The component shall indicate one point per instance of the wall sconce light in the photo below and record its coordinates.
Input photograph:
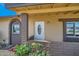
(48, 22)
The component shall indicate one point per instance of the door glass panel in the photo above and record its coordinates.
(69, 27)
(39, 29)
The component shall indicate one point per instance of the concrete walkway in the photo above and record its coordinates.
(6, 53)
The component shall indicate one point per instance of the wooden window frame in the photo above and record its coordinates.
(71, 39)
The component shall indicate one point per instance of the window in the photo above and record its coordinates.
(77, 28)
(69, 28)
(16, 29)
(71, 31)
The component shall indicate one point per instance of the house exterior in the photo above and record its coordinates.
(56, 23)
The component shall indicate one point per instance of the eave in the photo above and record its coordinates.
(47, 9)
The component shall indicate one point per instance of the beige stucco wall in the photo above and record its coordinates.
(4, 29)
(53, 27)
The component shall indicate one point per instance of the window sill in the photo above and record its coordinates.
(72, 36)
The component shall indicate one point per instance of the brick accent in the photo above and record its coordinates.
(24, 27)
(64, 49)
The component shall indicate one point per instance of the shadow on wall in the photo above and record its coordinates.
(32, 37)
(2, 40)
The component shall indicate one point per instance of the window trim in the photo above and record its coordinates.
(74, 38)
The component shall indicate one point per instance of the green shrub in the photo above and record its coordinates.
(22, 50)
(34, 49)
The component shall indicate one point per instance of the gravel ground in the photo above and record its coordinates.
(6, 53)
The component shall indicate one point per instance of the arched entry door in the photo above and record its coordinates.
(15, 36)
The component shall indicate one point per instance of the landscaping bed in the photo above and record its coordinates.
(30, 49)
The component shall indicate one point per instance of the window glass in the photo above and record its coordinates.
(69, 27)
(76, 28)
(16, 29)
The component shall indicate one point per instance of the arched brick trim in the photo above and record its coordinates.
(10, 28)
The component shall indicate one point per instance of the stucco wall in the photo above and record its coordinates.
(4, 29)
(53, 28)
